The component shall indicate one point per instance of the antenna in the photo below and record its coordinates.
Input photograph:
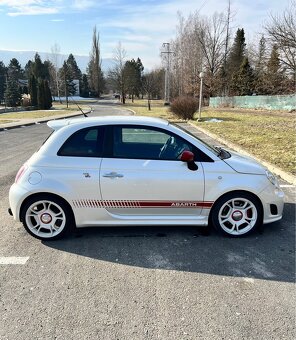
(85, 115)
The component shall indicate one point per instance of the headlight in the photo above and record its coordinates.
(271, 178)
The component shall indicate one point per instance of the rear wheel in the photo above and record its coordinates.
(237, 214)
(46, 217)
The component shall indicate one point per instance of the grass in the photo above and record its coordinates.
(4, 121)
(57, 109)
(157, 109)
(267, 135)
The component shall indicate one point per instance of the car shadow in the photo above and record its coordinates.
(267, 254)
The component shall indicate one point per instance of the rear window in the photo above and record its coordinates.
(86, 142)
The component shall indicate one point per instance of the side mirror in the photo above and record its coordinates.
(188, 157)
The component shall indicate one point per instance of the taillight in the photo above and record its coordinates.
(20, 173)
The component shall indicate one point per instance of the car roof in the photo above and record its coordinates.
(106, 120)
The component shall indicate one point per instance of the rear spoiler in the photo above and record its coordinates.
(60, 123)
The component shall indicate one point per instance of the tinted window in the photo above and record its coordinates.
(84, 143)
(137, 142)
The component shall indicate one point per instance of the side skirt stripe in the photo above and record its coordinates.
(87, 203)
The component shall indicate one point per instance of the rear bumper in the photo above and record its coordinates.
(16, 197)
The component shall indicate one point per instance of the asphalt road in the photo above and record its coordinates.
(142, 283)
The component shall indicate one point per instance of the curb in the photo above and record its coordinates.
(277, 171)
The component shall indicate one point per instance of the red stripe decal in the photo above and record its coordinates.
(85, 203)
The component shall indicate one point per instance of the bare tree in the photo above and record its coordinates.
(187, 60)
(211, 35)
(117, 74)
(149, 84)
(55, 58)
(281, 30)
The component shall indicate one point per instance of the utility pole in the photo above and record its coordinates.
(167, 52)
(201, 75)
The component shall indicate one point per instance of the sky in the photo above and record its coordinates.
(142, 26)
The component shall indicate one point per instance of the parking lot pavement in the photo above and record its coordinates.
(168, 283)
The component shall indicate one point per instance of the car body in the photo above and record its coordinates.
(127, 170)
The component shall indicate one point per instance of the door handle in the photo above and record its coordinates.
(113, 175)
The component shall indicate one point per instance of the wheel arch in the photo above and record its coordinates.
(235, 192)
(48, 195)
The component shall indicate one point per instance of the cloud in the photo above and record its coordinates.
(83, 4)
(30, 7)
(34, 10)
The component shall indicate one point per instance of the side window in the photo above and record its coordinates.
(137, 142)
(84, 143)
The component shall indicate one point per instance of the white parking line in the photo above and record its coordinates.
(13, 260)
(287, 186)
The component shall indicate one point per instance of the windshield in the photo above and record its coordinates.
(216, 151)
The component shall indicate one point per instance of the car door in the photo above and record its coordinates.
(77, 170)
(142, 174)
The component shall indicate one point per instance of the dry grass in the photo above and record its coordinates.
(4, 121)
(157, 109)
(57, 109)
(267, 135)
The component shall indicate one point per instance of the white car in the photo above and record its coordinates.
(119, 171)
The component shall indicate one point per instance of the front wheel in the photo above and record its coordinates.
(47, 218)
(237, 214)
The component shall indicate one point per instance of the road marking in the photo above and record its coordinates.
(13, 260)
(287, 186)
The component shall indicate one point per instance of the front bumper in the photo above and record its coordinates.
(272, 199)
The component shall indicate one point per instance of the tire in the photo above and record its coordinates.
(237, 214)
(47, 217)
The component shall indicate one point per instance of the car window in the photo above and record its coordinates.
(147, 143)
(86, 142)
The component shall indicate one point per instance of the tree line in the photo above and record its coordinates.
(40, 81)
(203, 44)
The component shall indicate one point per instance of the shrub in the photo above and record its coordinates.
(184, 107)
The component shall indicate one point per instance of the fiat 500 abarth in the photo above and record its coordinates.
(119, 171)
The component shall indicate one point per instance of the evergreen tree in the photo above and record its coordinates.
(274, 77)
(33, 90)
(133, 71)
(73, 68)
(84, 88)
(73, 71)
(94, 69)
(243, 80)
(3, 78)
(68, 86)
(260, 67)
(47, 95)
(39, 75)
(39, 69)
(14, 70)
(140, 70)
(41, 94)
(237, 54)
(12, 94)
(28, 69)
